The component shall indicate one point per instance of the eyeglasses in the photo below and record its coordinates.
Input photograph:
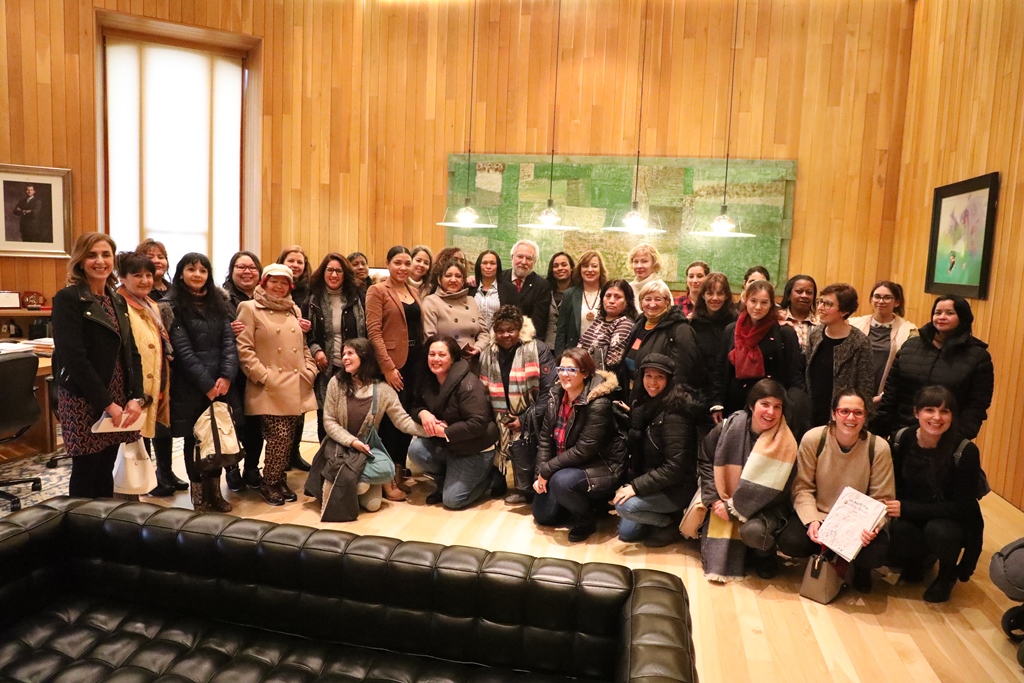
(570, 371)
(884, 298)
(247, 268)
(846, 412)
(825, 303)
(333, 271)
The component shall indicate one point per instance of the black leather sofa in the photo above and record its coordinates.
(132, 592)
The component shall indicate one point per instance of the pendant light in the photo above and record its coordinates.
(633, 221)
(723, 225)
(549, 219)
(467, 216)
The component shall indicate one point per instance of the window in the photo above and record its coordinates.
(174, 148)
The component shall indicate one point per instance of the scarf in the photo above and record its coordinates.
(148, 308)
(750, 476)
(746, 355)
(274, 303)
(523, 381)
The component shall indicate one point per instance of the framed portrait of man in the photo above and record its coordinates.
(37, 211)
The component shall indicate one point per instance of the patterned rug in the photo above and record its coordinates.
(55, 481)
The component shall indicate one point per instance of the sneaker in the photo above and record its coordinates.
(252, 478)
(582, 531)
(271, 495)
(286, 492)
(233, 477)
(515, 498)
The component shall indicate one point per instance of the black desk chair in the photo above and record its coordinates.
(61, 454)
(18, 410)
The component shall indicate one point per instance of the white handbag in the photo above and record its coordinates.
(134, 473)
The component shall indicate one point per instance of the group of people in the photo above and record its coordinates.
(596, 393)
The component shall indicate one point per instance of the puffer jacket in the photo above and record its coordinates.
(593, 441)
(662, 447)
(963, 365)
(204, 351)
(462, 403)
(710, 334)
(673, 337)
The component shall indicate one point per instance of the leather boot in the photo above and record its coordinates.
(212, 495)
(393, 492)
(522, 479)
(165, 477)
(196, 491)
(296, 462)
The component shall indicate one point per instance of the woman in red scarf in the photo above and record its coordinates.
(756, 346)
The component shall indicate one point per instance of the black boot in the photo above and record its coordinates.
(165, 477)
(297, 462)
(522, 478)
(212, 497)
(942, 587)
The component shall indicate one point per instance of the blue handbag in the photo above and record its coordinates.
(380, 468)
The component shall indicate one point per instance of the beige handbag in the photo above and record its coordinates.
(216, 441)
(134, 474)
(822, 581)
(693, 517)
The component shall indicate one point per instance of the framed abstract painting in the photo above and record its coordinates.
(963, 227)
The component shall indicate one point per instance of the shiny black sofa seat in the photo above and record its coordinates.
(105, 590)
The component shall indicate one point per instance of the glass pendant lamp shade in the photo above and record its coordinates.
(466, 217)
(548, 219)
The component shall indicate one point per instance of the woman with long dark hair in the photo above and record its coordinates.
(204, 367)
(422, 265)
(244, 270)
(360, 269)
(559, 277)
(606, 338)
(96, 366)
(945, 353)
(485, 293)
(712, 315)
(348, 416)
(695, 274)
(451, 312)
(394, 325)
(336, 313)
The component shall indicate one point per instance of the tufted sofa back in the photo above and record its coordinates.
(457, 603)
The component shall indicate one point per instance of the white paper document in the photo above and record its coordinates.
(853, 513)
(106, 424)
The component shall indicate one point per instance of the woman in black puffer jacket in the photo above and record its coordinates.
(947, 354)
(455, 411)
(663, 458)
(581, 454)
(204, 367)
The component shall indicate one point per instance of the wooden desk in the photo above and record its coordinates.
(42, 436)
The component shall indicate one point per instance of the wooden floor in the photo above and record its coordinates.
(748, 631)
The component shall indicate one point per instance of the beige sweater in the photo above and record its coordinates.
(821, 478)
(336, 412)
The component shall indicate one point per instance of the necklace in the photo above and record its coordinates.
(591, 307)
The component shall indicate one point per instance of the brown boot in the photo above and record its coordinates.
(212, 494)
(196, 492)
(393, 492)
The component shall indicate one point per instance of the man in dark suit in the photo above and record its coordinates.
(30, 209)
(520, 286)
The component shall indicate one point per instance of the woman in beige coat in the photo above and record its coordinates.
(451, 312)
(273, 354)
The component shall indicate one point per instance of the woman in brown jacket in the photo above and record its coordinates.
(394, 324)
(273, 354)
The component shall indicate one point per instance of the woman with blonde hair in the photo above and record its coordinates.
(645, 262)
(96, 366)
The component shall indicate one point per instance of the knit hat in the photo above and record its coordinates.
(658, 361)
(278, 269)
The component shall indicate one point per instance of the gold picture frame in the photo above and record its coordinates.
(37, 211)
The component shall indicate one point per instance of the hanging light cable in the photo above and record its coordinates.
(548, 219)
(467, 216)
(633, 221)
(723, 225)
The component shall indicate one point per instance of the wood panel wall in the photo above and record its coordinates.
(363, 101)
(965, 117)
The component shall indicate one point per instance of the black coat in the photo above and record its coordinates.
(593, 441)
(204, 351)
(534, 300)
(672, 337)
(783, 362)
(662, 447)
(569, 324)
(963, 365)
(462, 403)
(87, 349)
(710, 334)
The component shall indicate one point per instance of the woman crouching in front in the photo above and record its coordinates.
(581, 454)
(746, 466)
(455, 412)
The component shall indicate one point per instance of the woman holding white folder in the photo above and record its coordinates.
(831, 457)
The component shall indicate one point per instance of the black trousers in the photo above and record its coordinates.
(92, 475)
(397, 442)
(912, 542)
(252, 442)
(795, 542)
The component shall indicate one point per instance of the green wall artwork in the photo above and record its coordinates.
(682, 195)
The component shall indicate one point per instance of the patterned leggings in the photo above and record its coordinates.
(279, 433)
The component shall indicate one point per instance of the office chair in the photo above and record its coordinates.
(60, 454)
(18, 410)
